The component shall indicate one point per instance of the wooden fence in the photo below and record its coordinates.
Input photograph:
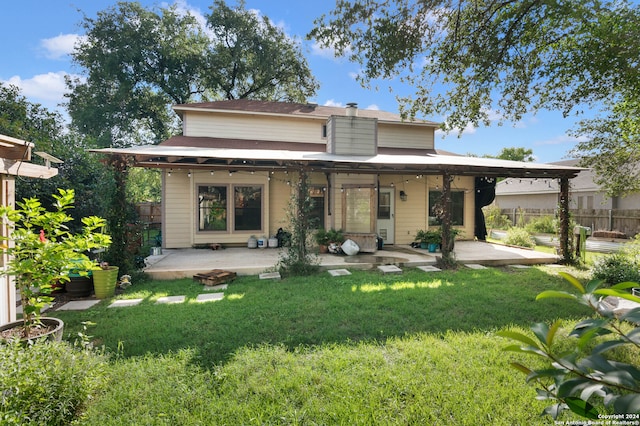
(150, 213)
(625, 221)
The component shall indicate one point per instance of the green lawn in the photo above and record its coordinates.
(363, 349)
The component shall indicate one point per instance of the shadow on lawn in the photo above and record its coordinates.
(365, 306)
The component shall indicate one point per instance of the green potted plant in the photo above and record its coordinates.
(429, 239)
(41, 252)
(105, 279)
(322, 240)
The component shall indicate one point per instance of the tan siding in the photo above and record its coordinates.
(177, 210)
(280, 194)
(407, 136)
(255, 127)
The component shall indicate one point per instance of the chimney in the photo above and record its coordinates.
(352, 109)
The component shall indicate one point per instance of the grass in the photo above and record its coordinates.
(361, 349)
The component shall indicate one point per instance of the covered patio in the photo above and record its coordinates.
(184, 263)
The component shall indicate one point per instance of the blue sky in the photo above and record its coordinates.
(37, 36)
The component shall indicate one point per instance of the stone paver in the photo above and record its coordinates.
(475, 266)
(520, 266)
(270, 276)
(215, 287)
(125, 303)
(429, 268)
(78, 305)
(170, 299)
(339, 272)
(210, 297)
(389, 269)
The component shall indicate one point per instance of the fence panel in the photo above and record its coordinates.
(625, 221)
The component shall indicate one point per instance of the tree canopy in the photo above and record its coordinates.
(470, 60)
(137, 62)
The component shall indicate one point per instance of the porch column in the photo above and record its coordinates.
(564, 220)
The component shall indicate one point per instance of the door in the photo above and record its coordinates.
(386, 215)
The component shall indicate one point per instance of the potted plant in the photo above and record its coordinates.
(105, 279)
(41, 252)
(321, 237)
(429, 239)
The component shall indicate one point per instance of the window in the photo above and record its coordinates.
(247, 201)
(323, 131)
(212, 208)
(384, 205)
(358, 209)
(457, 207)
(316, 215)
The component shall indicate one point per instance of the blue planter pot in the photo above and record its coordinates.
(432, 247)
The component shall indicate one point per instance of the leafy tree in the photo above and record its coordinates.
(139, 61)
(589, 366)
(514, 154)
(79, 171)
(470, 59)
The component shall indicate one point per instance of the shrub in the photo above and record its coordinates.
(495, 219)
(542, 225)
(46, 383)
(616, 268)
(589, 372)
(519, 237)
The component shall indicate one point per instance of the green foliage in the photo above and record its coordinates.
(138, 62)
(326, 237)
(47, 383)
(80, 170)
(542, 225)
(144, 185)
(594, 366)
(616, 268)
(514, 154)
(42, 251)
(495, 219)
(430, 236)
(519, 237)
(297, 259)
(509, 58)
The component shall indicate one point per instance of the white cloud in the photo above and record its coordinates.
(59, 46)
(47, 89)
(333, 103)
(323, 52)
(373, 107)
(561, 140)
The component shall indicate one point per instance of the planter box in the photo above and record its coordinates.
(368, 243)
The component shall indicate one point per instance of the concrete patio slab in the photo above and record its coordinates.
(170, 299)
(389, 269)
(215, 287)
(125, 303)
(339, 272)
(474, 266)
(270, 276)
(78, 305)
(181, 263)
(429, 268)
(210, 297)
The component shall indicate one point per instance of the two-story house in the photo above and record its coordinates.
(231, 173)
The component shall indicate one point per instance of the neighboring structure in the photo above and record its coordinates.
(230, 175)
(15, 155)
(589, 205)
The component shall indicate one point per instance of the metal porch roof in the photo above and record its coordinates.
(181, 157)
